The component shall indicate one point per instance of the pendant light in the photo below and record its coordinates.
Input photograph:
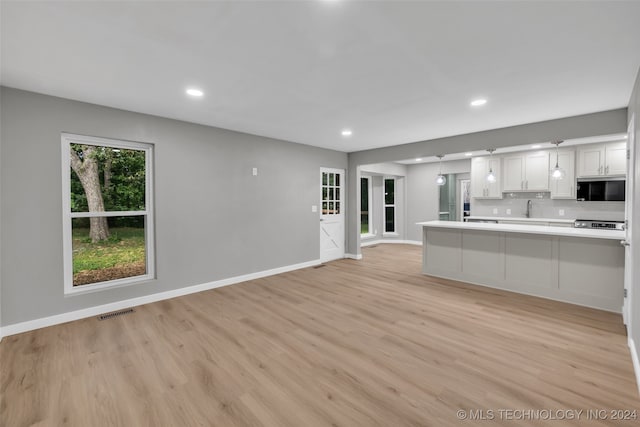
(441, 179)
(491, 177)
(557, 172)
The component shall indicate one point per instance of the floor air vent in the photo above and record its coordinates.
(115, 314)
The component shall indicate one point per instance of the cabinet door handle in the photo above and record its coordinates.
(526, 185)
(600, 170)
(606, 170)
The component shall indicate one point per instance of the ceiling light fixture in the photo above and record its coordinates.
(468, 154)
(418, 159)
(478, 102)
(194, 92)
(441, 179)
(491, 177)
(536, 146)
(347, 132)
(557, 172)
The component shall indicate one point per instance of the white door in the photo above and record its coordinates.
(331, 214)
(628, 255)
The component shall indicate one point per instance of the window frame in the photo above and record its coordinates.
(369, 179)
(149, 224)
(386, 205)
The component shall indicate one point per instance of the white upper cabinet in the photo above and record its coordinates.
(616, 158)
(564, 188)
(480, 187)
(608, 159)
(526, 172)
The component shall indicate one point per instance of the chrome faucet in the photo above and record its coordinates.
(529, 206)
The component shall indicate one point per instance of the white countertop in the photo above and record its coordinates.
(528, 229)
(523, 219)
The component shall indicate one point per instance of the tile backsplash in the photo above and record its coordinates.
(544, 207)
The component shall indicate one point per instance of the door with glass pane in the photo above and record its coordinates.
(331, 214)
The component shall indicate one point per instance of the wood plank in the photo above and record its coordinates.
(356, 343)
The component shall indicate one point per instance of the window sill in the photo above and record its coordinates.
(390, 234)
(367, 236)
(102, 286)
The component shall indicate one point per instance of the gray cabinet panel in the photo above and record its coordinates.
(483, 254)
(529, 261)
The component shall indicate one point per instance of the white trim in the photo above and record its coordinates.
(43, 322)
(635, 360)
(67, 233)
(390, 233)
(352, 256)
(116, 283)
(107, 214)
(396, 241)
(367, 236)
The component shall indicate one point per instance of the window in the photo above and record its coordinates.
(107, 213)
(365, 208)
(389, 205)
(330, 193)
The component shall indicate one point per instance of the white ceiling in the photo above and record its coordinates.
(393, 72)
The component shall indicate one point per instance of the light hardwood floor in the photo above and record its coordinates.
(353, 343)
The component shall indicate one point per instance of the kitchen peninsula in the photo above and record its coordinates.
(579, 266)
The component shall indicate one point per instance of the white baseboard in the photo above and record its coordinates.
(380, 241)
(353, 256)
(635, 360)
(43, 322)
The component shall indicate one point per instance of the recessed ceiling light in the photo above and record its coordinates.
(418, 159)
(478, 102)
(468, 154)
(346, 132)
(194, 92)
(536, 146)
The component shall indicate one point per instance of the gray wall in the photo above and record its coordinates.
(423, 194)
(603, 123)
(634, 330)
(214, 220)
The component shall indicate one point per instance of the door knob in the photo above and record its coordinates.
(625, 243)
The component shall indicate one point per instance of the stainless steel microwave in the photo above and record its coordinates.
(609, 190)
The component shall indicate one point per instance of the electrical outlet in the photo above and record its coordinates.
(255, 171)
(508, 211)
(561, 212)
(314, 208)
(495, 211)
